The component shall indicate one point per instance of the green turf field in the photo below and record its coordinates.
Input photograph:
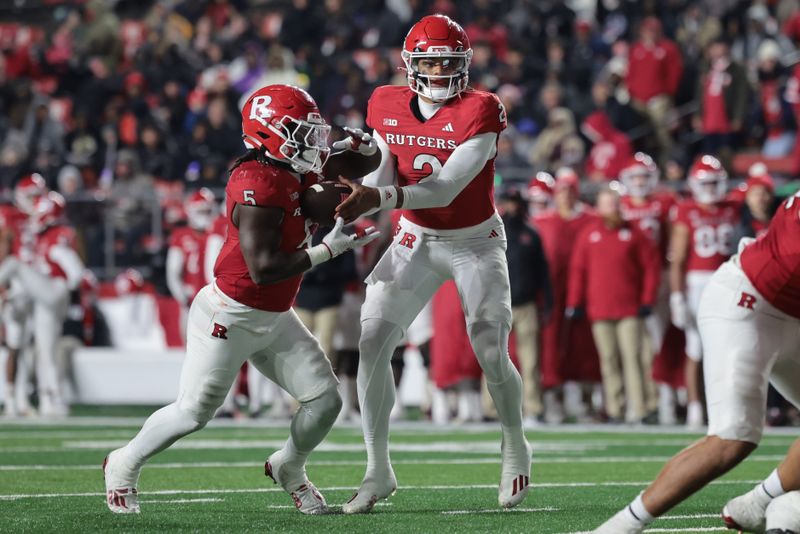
(213, 481)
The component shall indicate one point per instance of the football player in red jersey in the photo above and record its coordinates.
(540, 194)
(187, 246)
(749, 321)
(701, 241)
(438, 138)
(56, 270)
(650, 207)
(246, 313)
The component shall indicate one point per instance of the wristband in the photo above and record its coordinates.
(389, 197)
(319, 254)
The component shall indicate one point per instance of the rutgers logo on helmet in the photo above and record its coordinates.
(200, 209)
(284, 122)
(27, 191)
(639, 176)
(708, 180)
(437, 55)
(48, 210)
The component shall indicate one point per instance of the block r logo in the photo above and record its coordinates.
(219, 331)
(747, 301)
(408, 240)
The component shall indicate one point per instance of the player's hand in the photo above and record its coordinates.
(678, 310)
(362, 200)
(575, 313)
(339, 242)
(357, 140)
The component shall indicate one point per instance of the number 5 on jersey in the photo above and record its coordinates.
(248, 197)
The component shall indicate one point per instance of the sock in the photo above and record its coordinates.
(639, 512)
(310, 424)
(770, 488)
(161, 430)
(376, 391)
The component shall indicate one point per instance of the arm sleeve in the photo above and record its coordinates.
(70, 263)
(213, 247)
(385, 174)
(464, 163)
(576, 293)
(175, 261)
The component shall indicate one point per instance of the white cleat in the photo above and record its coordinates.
(622, 523)
(783, 514)
(746, 513)
(515, 475)
(370, 492)
(305, 495)
(121, 494)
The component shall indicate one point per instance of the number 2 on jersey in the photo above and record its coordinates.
(427, 159)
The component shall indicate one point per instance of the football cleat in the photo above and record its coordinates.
(783, 514)
(121, 494)
(622, 523)
(746, 513)
(305, 495)
(515, 475)
(370, 492)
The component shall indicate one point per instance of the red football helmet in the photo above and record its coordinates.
(48, 210)
(640, 175)
(708, 180)
(27, 190)
(566, 178)
(285, 122)
(540, 192)
(440, 39)
(201, 208)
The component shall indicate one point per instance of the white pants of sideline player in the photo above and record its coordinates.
(747, 343)
(50, 299)
(221, 334)
(416, 264)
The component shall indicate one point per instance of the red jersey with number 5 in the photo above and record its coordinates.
(652, 216)
(256, 184)
(422, 147)
(711, 231)
(193, 245)
(772, 263)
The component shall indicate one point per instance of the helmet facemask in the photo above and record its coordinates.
(639, 182)
(438, 87)
(709, 189)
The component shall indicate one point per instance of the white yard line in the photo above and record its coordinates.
(181, 501)
(499, 511)
(690, 516)
(13, 497)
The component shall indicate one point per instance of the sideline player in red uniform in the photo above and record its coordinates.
(56, 270)
(650, 207)
(749, 321)
(246, 313)
(701, 241)
(187, 247)
(439, 140)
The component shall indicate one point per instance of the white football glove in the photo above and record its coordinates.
(337, 242)
(357, 140)
(678, 310)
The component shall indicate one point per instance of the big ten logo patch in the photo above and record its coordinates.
(219, 331)
(408, 240)
(747, 301)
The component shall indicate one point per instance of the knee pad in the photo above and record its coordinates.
(379, 339)
(202, 402)
(490, 343)
(326, 407)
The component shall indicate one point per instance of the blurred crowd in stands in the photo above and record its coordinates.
(127, 108)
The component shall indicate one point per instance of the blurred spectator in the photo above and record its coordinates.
(486, 29)
(655, 68)
(773, 115)
(722, 97)
(531, 294)
(758, 208)
(156, 153)
(614, 276)
(621, 114)
(558, 144)
(134, 199)
(611, 149)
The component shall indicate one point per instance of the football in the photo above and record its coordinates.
(319, 201)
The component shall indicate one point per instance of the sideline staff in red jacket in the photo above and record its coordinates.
(614, 275)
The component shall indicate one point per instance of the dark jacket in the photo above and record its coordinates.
(527, 266)
(324, 285)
